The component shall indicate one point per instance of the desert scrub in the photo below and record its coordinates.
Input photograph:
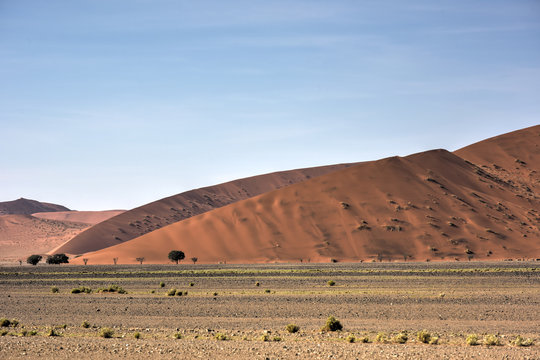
(3, 333)
(54, 290)
(292, 328)
(161, 284)
(472, 340)
(106, 333)
(331, 283)
(257, 284)
(137, 335)
(180, 293)
(264, 337)
(492, 340)
(85, 324)
(177, 335)
(401, 338)
(112, 289)
(276, 338)
(4, 322)
(171, 292)
(52, 332)
(423, 336)
(191, 284)
(381, 338)
(81, 289)
(268, 291)
(221, 337)
(332, 324)
(350, 338)
(520, 341)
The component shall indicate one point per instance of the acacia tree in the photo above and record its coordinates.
(34, 259)
(176, 255)
(57, 259)
(194, 259)
(140, 259)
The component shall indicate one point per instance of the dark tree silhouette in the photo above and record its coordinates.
(176, 255)
(57, 259)
(34, 259)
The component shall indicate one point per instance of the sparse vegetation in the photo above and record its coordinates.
(350, 338)
(520, 341)
(268, 291)
(171, 292)
(106, 333)
(54, 290)
(472, 340)
(292, 328)
(331, 283)
(139, 259)
(257, 284)
(52, 332)
(191, 284)
(332, 324)
(81, 289)
(401, 338)
(112, 289)
(177, 335)
(381, 338)
(137, 335)
(85, 324)
(492, 340)
(221, 337)
(423, 336)
(34, 259)
(5, 322)
(194, 259)
(57, 259)
(161, 284)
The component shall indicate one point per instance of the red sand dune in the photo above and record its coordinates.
(23, 235)
(432, 205)
(160, 213)
(84, 217)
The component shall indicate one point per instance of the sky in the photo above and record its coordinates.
(111, 104)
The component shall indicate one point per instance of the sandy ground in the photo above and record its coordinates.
(449, 300)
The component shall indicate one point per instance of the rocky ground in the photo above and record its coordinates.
(449, 300)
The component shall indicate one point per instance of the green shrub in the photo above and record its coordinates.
(137, 335)
(34, 259)
(472, 340)
(520, 341)
(52, 332)
(265, 337)
(434, 340)
(14, 322)
(191, 284)
(221, 337)
(350, 338)
(268, 291)
(257, 284)
(292, 328)
(423, 336)
(215, 294)
(363, 339)
(112, 289)
(106, 333)
(492, 340)
(85, 324)
(332, 324)
(177, 335)
(81, 289)
(32, 333)
(3, 333)
(276, 338)
(24, 332)
(4, 322)
(171, 292)
(331, 283)
(54, 290)
(401, 338)
(161, 284)
(381, 338)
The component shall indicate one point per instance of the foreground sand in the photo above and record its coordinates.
(450, 300)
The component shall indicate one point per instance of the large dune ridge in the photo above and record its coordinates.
(433, 206)
(24, 206)
(22, 235)
(160, 213)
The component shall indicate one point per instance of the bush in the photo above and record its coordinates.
(492, 340)
(292, 328)
(85, 324)
(401, 338)
(221, 337)
(106, 333)
(191, 284)
(331, 283)
(423, 336)
(381, 338)
(268, 291)
(34, 259)
(14, 322)
(350, 338)
(180, 293)
(276, 338)
(434, 340)
(57, 259)
(363, 339)
(111, 289)
(519, 341)
(32, 333)
(4, 322)
(265, 337)
(52, 332)
(332, 324)
(171, 292)
(257, 284)
(215, 294)
(176, 255)
(81, 289)
(177, 335)
(54, 290)
(3, 333)
(472, 340)
(137, 335)
(161, 284)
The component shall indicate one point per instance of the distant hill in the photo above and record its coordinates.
(481, 202)
(26, 207)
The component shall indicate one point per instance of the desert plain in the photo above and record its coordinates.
(241, 311)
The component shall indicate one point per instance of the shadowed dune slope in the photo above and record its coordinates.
(432, 205)
(160, 213)
(26, 207)
(84, 217)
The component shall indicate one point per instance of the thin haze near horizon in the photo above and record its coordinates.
(113, 104)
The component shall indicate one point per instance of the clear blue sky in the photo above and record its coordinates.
(116, 103)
